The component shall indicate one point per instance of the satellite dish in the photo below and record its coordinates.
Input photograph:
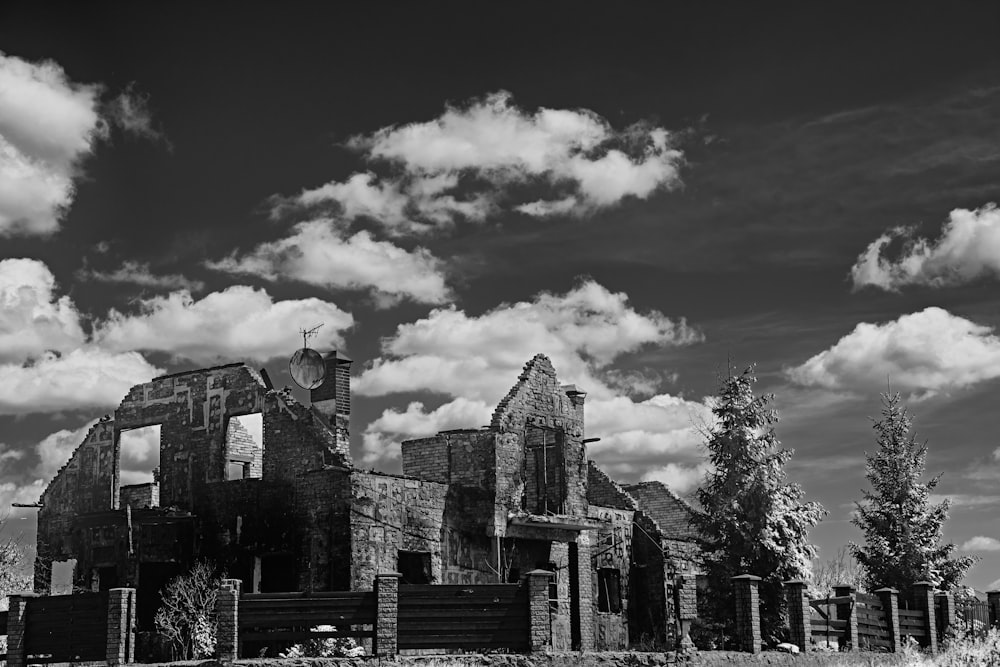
(307, 368)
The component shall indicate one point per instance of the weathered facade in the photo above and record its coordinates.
(293, 513)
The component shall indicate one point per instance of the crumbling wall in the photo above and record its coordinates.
(140, 496)
(462, 456)
(391, 514)
(322, 506)
(537, 401)
(651, 612)
(612, 551)
(192, 409)
(298, 439)
(242, 446)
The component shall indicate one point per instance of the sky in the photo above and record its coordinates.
(650, 194)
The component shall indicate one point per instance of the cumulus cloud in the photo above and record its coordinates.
(139, 273)
(981, 543)
(479, 357)
(475, 159)
(319, 253)
(85, 378)
(55, 449)
(32, 318)
(679, 478)
(239, 322)
(926, 353)
(48, 124)
(968, 248)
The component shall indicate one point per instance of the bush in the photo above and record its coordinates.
(187, 616)
(330, 647)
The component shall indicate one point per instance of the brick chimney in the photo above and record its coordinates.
(333, 397)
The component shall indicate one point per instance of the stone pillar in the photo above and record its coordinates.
(121, 626)
(890, 605)
(923, 595)
(16, 655)
(386, 624)
(993, 600)
(227, 610)
(747, 612)
(845, 612)
(585, 577)
(686, 603)
(540, 623)
(800, 629)
(949, 614)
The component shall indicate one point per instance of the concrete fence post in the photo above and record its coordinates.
(890, 605)
(539, 620)
(799, 627)
(227, 610)
(387, 621)
(993, 600)
(747, 612)
(16, 655)
(923, 594)
(121, 626)
(686, 601)
(846, 612)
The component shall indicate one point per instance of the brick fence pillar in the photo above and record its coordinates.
(227, 610)
(923, 597)
(121, 626)
(846, 612)
(686, 605)
(890, 605)
(800, 629)
(540, 623)
(585, 586)
(16, 655)
(993, 600)
(387, 623)
(949, 614)
(747, 612)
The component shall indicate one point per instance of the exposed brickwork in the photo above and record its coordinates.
(121, 626)
(140, 496)
(227, 614)
(242, 447)
(386, 625)
(603, 491)
(611, 551)
(297, 439)
(747, 612)
(923, 597)
(538, 599)
(669, 511)
(799, 628)
(686, 609)
(890, 604)
(16, 656)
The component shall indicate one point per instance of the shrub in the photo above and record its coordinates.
(187, 615)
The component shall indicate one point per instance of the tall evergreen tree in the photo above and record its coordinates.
(902, 528)
(752, 520)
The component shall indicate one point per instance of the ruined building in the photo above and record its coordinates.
(294, 514)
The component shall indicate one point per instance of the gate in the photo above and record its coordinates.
(66, 628)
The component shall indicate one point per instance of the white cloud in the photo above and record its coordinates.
(138, 273)
(981, 543)
(47, 125)
(678, 478)
(467, 162)
(476, 359)
(925, 353)
(55, 449)
(968, 248)
(319, 254)
(32, 318)
(85, 378)
(131, 112)
(239, 322)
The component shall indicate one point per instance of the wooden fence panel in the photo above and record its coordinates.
(273, 621)
(66, 628)
(912, 622)
(463, 617)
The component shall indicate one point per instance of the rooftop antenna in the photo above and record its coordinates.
(307, 368)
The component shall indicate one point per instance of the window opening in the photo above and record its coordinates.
(140, 455)
(544, 471)
(609, 597)
(414, 566)
(245, 446)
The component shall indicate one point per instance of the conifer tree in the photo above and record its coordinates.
(752, 520)
(902, 528)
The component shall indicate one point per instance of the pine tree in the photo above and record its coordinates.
(752, 520)
(902, 528)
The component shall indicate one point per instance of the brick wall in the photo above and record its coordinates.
(603, 491)
(140, 496)
(297, 439)
(240, 443)
(612, 549)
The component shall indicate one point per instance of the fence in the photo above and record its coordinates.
(71, 628)
(860, 621)
(514, 617)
